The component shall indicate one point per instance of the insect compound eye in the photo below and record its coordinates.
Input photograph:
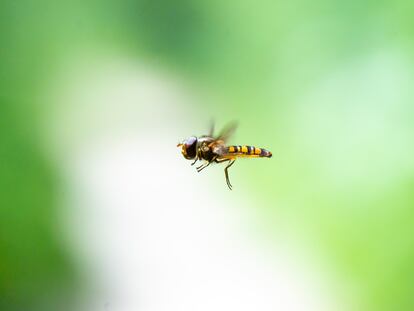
(190, 146)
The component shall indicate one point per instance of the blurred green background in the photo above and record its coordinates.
(325, 85)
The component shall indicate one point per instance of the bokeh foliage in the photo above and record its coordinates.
(265, 59)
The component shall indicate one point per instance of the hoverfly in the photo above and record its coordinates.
(211, 149)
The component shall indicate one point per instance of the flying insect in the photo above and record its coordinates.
(213, 149)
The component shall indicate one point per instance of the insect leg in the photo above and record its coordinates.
(227, 173)
(198, 167)
(203, 166)
(196, 159)
(221, 160)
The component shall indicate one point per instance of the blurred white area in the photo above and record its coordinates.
(152, 233)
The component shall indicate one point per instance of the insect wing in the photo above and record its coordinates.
(227, 131)
(218, 147)
(212, 125)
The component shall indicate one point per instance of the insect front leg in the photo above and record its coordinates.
(203, 166)
(196, 159)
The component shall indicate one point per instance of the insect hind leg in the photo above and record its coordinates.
(226, 173)
(221, 160)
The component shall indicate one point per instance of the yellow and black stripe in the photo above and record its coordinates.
(248, 151)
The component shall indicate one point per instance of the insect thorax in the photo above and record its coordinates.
(203, 150)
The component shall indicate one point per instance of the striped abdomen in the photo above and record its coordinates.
(248, 151)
